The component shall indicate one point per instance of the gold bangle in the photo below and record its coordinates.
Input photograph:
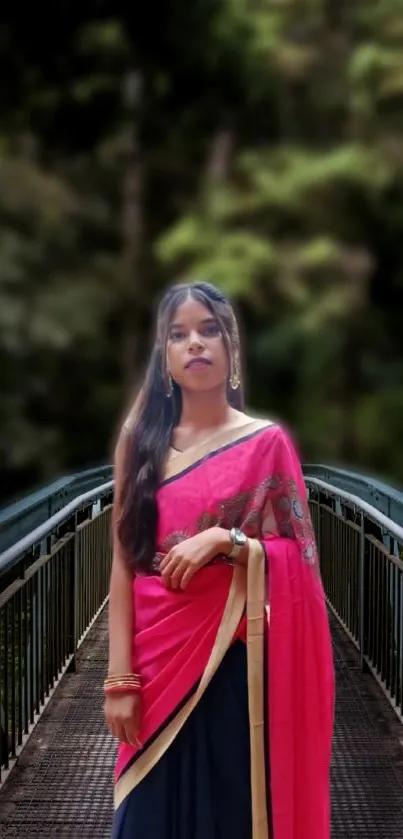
(129, 679)
(122, 676)
(119, 678)
(122, 687)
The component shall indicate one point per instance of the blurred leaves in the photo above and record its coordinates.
(270, 161)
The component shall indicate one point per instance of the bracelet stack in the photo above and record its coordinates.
(129, 683)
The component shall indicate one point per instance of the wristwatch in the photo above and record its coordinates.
(239, 540)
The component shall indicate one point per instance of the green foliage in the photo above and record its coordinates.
(259, 145)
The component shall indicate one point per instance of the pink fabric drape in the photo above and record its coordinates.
(256, 484)
(301, 674)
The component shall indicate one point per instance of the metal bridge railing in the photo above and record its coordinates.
(20, 518)
(53, 583)
(361, 553)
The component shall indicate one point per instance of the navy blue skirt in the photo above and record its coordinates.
(200, 788)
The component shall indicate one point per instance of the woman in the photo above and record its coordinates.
(220, 685)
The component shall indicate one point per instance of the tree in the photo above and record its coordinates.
(262, 149)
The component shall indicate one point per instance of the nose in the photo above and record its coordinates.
(195, 342)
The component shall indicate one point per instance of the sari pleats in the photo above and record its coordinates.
(200, 788)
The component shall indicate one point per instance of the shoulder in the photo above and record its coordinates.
(128, 424)
(133, 413)
(124, 435)
(264, 427)
(258, 434)
(275, 437)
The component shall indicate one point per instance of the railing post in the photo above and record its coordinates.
(4, 744)
(73, 595)
(319, 521)
(362, 587)
(366, 607)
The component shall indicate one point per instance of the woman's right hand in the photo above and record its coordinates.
(123, 717)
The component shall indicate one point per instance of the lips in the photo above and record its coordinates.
(196, 363)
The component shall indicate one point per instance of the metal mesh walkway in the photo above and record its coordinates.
(62, 785)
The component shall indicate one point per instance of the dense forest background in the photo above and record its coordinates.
(255, 144)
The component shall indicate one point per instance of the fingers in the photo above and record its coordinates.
(167, 571)
(180, 563)
(131, 734)
(177, 573)
(117, 729)
(124, 727)
(187, 576)
(173, 570)
(120, 732)
(166, 560)
(125, 733)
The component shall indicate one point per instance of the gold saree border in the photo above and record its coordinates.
(256, 616)
(232, 615)
(178, 462)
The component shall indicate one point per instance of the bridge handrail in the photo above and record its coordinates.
(388, 499)
(371, 512)
(21, 517)
(12, 555)
(29, 512)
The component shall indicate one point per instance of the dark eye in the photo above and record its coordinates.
(211, 329)
(176, 335)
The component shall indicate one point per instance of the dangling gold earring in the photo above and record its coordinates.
(170, 388)
(235, 378)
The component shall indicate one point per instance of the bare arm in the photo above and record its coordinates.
(121, 615)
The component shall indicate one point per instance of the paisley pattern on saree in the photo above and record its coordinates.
(272, 508)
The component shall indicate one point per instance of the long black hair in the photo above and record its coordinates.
(148, 437)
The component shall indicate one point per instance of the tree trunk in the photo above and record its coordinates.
(132, 225)
(219, 157)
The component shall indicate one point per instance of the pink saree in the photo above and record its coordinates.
(249, 477)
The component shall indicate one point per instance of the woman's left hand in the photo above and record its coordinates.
(181, 562)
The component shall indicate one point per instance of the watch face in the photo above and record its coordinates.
(240, 538)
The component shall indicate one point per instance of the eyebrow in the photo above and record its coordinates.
(204, 321)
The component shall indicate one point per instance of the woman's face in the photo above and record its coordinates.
(196, 353)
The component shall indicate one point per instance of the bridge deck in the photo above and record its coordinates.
(62, 784)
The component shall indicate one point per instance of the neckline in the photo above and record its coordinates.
(226, 428)
(178, 463)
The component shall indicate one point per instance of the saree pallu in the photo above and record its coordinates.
(243, 655)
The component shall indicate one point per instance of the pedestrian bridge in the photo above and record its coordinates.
(56, 755)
